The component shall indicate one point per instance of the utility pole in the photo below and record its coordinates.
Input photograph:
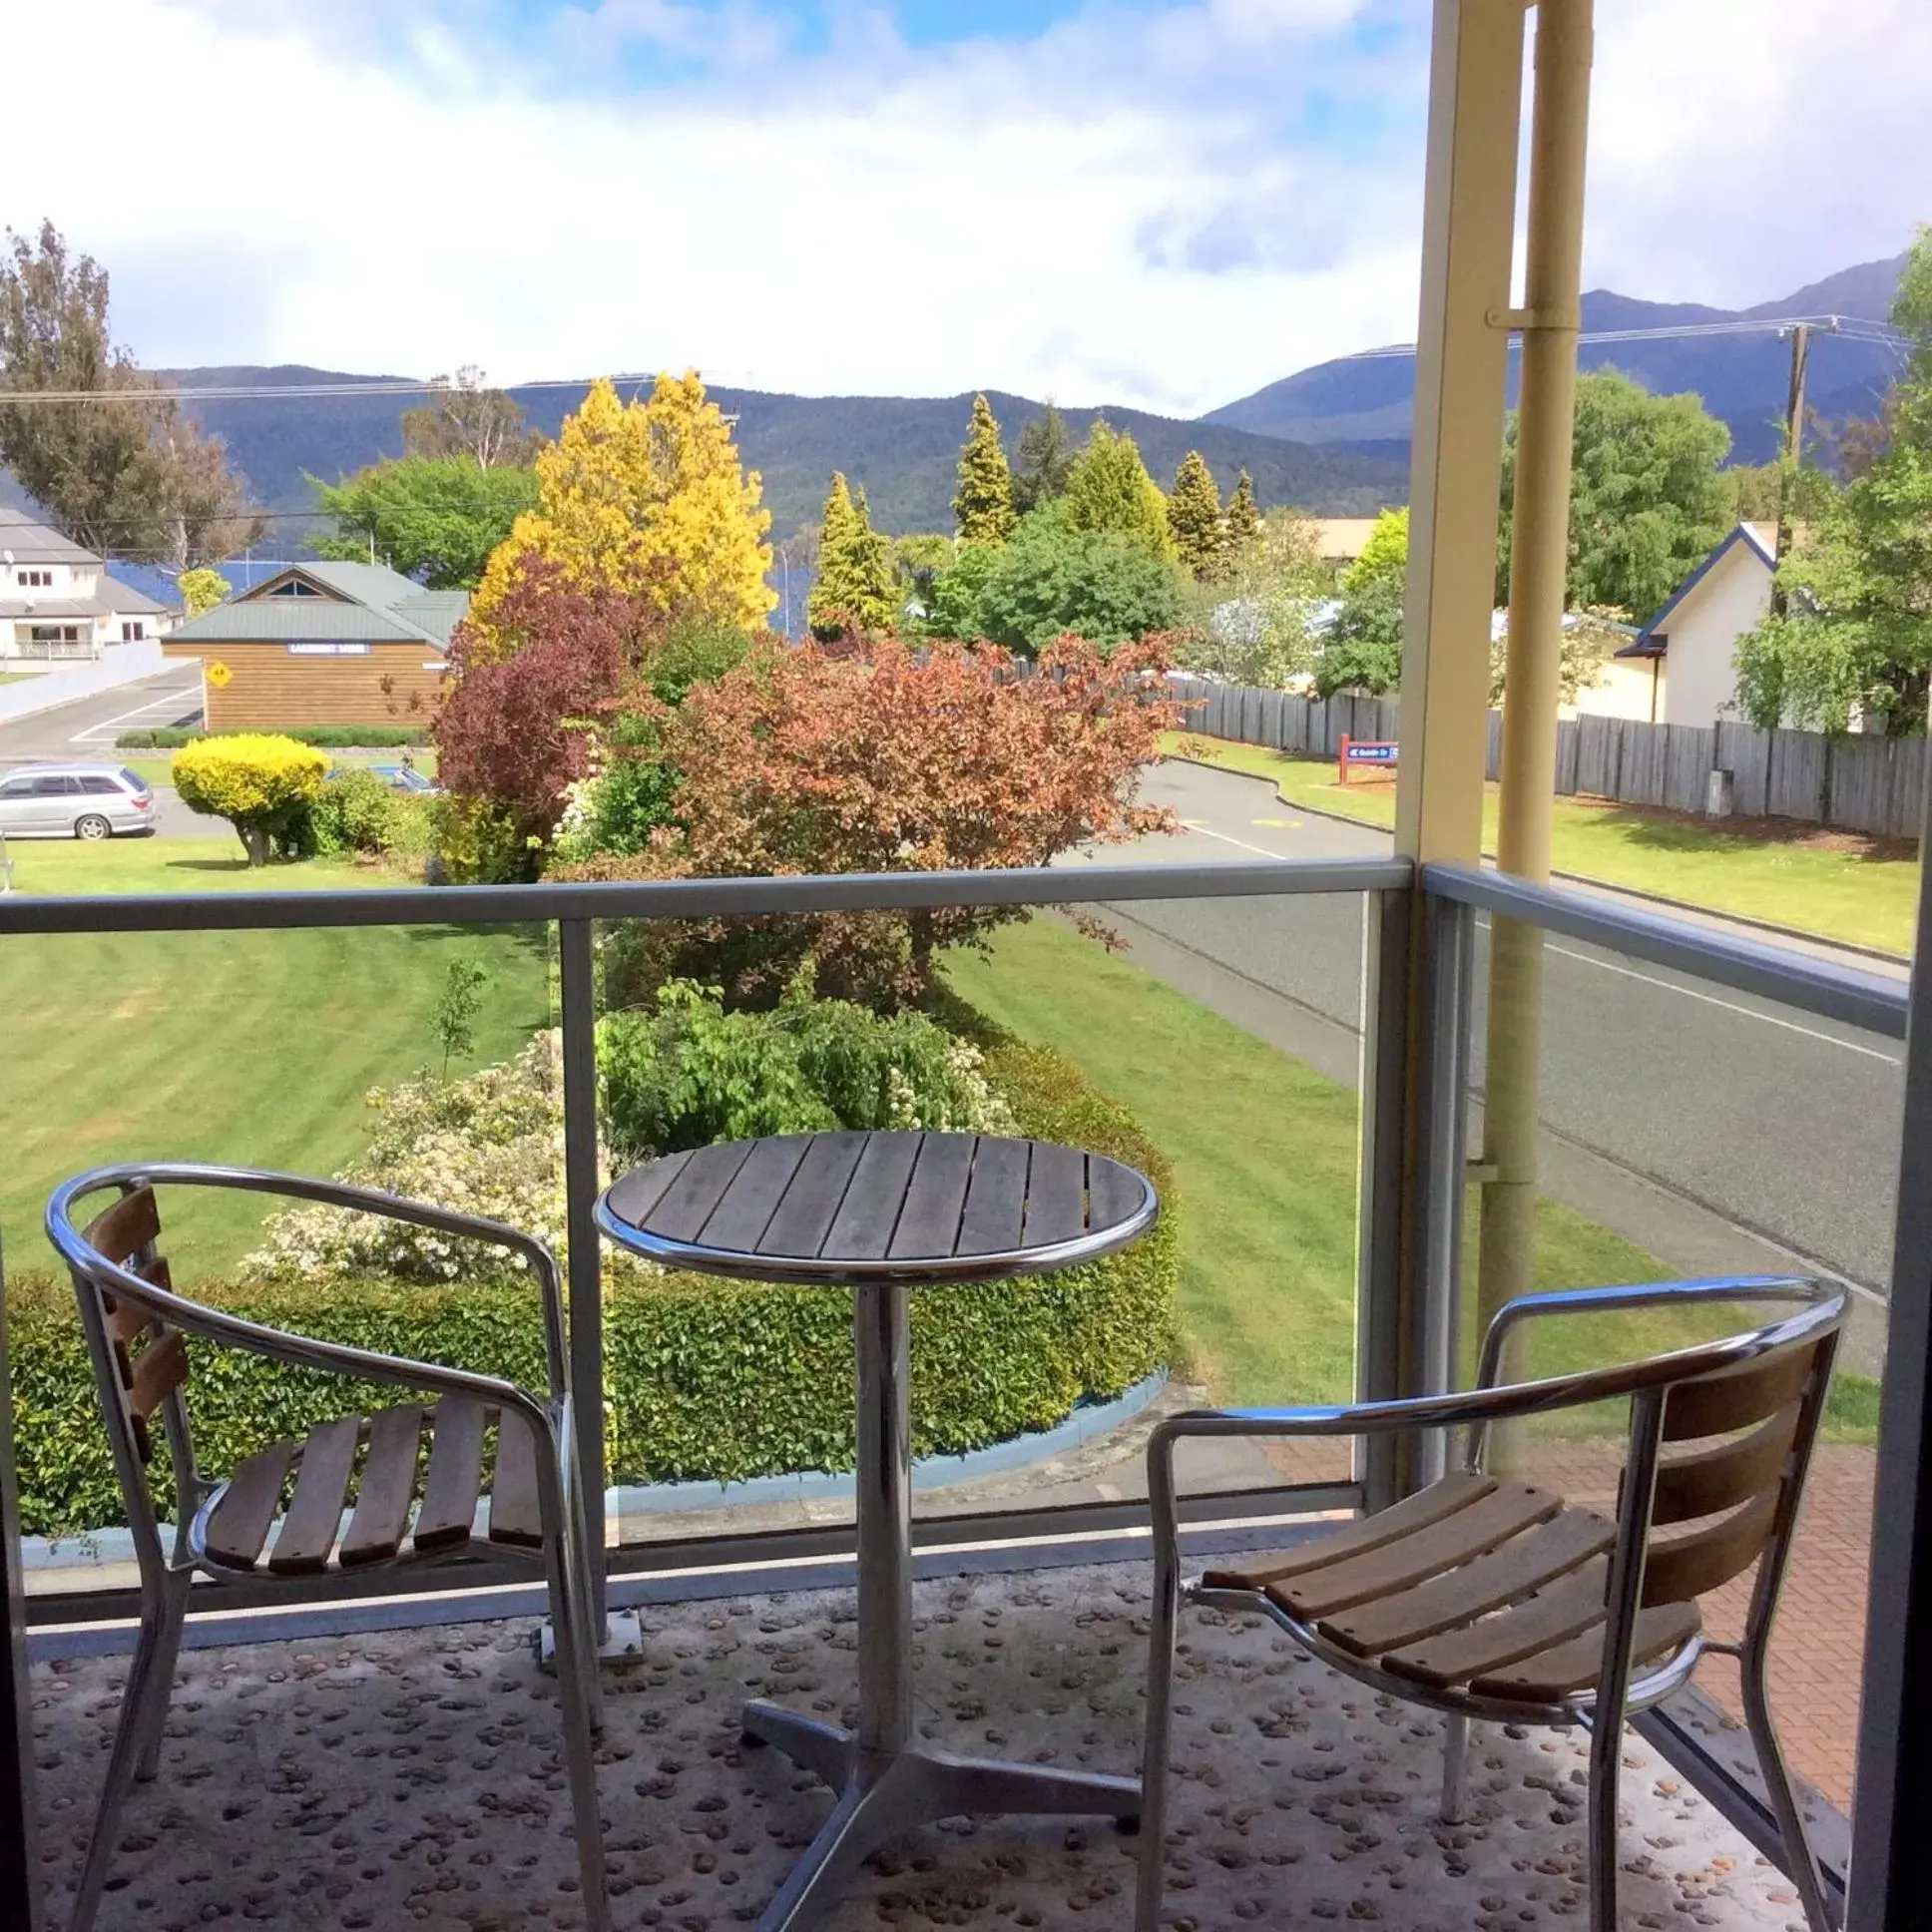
(1801, 336)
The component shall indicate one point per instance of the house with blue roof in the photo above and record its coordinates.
(1690, 645)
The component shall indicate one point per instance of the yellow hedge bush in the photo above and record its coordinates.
(260, 782)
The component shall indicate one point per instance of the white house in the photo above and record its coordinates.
(57, 601)
(1690, 647)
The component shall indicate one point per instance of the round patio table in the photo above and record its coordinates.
(884, 1213)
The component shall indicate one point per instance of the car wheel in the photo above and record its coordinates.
(93, 825)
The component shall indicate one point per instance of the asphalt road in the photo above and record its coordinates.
(88, 728)
(1780, 1122)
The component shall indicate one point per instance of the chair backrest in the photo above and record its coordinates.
(139, 1364)
(1721, 1503)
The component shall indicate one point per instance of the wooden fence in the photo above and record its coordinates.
(1858, 783)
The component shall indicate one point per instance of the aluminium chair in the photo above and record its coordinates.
(361, 1494)
(1482, 1595)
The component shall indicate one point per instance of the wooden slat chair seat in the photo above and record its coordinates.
(1488, 1596)
(363, 1490)
(1497, 1590)
(401, 1483)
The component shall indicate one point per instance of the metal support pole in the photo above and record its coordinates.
(1387, 1320)
(1891, 1823)
(1538, 566)
(585, 1273)
(1442, 1121)
(20, 1875)
(882, 1347)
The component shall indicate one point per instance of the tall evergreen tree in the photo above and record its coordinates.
(983, 505)
(1109, 488)
(1041, 461)
(854, 581)
(1243, 523)
(1194, 515)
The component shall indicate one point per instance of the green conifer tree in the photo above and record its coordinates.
(1193, 516)
(983, 505)
(1243, 520)
(1109, 488)
(854, 581)
(1040, 463)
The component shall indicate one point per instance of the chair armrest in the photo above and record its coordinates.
(1712, 1290)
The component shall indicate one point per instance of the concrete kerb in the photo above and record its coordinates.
(1882, 955)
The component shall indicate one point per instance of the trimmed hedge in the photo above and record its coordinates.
(704, 1379)
(326, 737)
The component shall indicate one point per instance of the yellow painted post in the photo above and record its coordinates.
(1469, 218)
(1539, 559)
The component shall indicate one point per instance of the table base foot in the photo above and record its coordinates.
(882, 1798)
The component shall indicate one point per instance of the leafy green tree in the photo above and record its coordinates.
(1100, 585)
(1109, 488)
(983, 504)
(854, 581)
(1243, 520)
(1253, 623)
(1364, 648)
(1193, 516)
(1854, 640)
(434, 517)
(1647, 500)
(953, 605)
(1041, 461)
(124, 471)
(468, 419)
(919, 561)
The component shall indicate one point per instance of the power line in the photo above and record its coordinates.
(1854, 329)
(264, 391)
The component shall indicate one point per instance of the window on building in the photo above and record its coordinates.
(295, 588)
(35, 579)
(133, 630)
(54, 632)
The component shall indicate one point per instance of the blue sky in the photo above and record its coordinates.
(1164, 203)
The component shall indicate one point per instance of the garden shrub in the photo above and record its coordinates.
(686, 1073)
(477, 844)
(704, 1379)
(356, 812)
(329, 737)
(262, 783)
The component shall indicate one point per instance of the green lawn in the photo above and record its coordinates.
(1263, 1153)
(255, 1047)
(17, 677)
(1837, 894)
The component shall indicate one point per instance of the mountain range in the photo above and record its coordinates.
(903, 449)
(1332, 439)
(1363, 402)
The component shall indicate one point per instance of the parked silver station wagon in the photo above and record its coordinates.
(74, 801)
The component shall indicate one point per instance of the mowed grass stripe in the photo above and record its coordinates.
(254, 1048)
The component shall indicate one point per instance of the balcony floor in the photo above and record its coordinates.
(413, 1779)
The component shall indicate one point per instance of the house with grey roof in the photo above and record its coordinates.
(57, 601)
(323, 644)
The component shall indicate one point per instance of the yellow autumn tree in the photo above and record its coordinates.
(649, 498)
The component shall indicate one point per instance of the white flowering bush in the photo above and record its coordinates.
(491, 1145)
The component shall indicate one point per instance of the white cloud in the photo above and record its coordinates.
(1164, 210)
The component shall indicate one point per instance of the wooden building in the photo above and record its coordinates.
(323, 644)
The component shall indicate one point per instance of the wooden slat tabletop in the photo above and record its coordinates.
(819, 1203)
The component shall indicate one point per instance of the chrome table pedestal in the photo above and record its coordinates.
(887, 1782)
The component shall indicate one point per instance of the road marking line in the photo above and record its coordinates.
(97, 731)
(1239, 844)
(1729, 1005)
